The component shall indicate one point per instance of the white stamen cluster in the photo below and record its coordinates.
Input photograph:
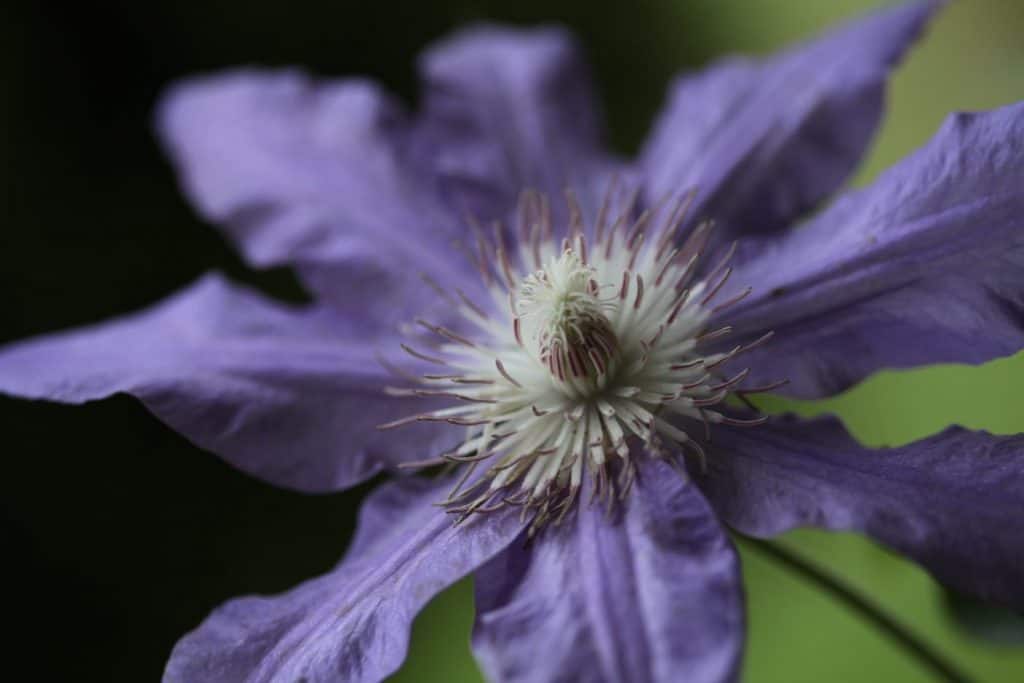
(590, 358)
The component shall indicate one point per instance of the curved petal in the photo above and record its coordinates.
(351, 624)
(279, 392)
(509, 109)
(316, 174)
(763, 141)
(652, 596)
(924, 266)
(952, 502)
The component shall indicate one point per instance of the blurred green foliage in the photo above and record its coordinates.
(972, 58)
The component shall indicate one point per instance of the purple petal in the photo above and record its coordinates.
(351, 624)
(763, 141)
(652, 596)
(279, 392)
(952, 502)
(508, 110)
(317, 174)
(924, 266)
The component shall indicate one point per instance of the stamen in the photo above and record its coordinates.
(576, 372)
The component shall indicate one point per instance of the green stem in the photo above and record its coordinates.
(910, 643)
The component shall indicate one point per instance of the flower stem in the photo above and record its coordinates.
(910, 643)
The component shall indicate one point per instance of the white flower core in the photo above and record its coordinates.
(590, 358)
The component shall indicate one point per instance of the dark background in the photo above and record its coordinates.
(118, 535)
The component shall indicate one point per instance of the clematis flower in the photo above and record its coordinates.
(562, 331)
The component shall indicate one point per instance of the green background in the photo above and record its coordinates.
(972, 58)
(119, 536)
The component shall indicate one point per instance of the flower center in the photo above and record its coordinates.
(559, 311)
(594, 352)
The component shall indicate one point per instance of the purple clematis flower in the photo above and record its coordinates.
(570, 358)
